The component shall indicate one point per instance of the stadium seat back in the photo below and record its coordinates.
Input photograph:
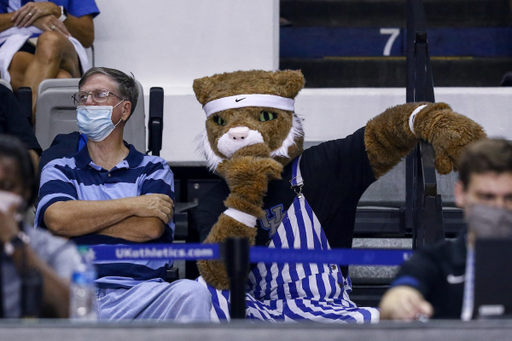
(56, 114)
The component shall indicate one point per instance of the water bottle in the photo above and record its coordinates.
(82, 300)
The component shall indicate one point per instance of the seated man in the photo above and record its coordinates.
(62, 32)
(431, 283)
(109, 193)
(52, 257)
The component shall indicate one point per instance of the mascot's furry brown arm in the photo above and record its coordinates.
(252, 131)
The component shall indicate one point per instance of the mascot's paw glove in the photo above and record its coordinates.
(391, 135)
(449, 133)
(247, 176)
(214, 271)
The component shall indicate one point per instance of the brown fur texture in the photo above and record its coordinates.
(281, 83)
(248, 171)
(388, 137)
(247, 177)
(274, 132)
(214, 272)
(247, 174)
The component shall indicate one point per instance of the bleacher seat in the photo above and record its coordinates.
(380, 223)
(56, 113)
(381, 206)
(197, 188)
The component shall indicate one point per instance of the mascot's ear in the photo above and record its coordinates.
(288, 83)
(202, 88)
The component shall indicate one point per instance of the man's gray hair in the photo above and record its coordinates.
(126, 85)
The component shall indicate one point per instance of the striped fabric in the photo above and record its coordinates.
(78, 178)
(291, 292)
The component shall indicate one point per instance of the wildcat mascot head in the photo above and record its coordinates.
(250, 107)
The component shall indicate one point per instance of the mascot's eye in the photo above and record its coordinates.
(267, 116)
(219, 120)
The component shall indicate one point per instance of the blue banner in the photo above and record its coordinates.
(257, 254)
(334, 256)
(155, 251)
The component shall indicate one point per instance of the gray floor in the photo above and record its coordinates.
(434, 330)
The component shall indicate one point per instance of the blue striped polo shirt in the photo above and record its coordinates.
(78, 178)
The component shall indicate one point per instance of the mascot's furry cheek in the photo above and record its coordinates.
(237, 138)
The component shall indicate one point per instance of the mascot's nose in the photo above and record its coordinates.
(238, 133)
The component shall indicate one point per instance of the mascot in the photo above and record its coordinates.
(279, 195)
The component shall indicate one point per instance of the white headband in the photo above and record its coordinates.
(240, 101)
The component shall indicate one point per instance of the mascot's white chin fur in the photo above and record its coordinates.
(228, 146)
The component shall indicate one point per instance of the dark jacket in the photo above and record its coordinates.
(438, 273)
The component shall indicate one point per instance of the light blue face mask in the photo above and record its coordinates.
(96, 121)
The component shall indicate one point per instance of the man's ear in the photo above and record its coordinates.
(459, 194)
(127, 109)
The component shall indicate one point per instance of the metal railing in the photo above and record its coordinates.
(423, 214)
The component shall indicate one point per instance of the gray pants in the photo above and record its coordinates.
(180, 301)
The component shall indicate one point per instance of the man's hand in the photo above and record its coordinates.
(26, 15)
(153, 205)
(50, 23)
(404, 303)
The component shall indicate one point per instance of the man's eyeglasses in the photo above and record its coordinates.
(98, 96)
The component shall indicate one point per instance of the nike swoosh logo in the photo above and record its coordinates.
(455, 279)
(239, 99)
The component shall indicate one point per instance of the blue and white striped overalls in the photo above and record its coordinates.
(294, 292)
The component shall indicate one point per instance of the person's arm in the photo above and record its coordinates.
(82, 28)
(55, 289)
(410, 293)
(404, 303)
(27, 14)
(79, 217)
(136, 229)
(159, 180)
(6, 21)
(35, 159)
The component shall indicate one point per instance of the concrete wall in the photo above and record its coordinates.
(335, 113)
(169, 43)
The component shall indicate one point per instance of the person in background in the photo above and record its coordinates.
(109, 193)
(23, 247)
(432, 283)
(13, 122)
(44, 39)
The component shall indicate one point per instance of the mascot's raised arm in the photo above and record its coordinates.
(278, 195)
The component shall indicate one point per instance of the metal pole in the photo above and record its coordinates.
(236, 257)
